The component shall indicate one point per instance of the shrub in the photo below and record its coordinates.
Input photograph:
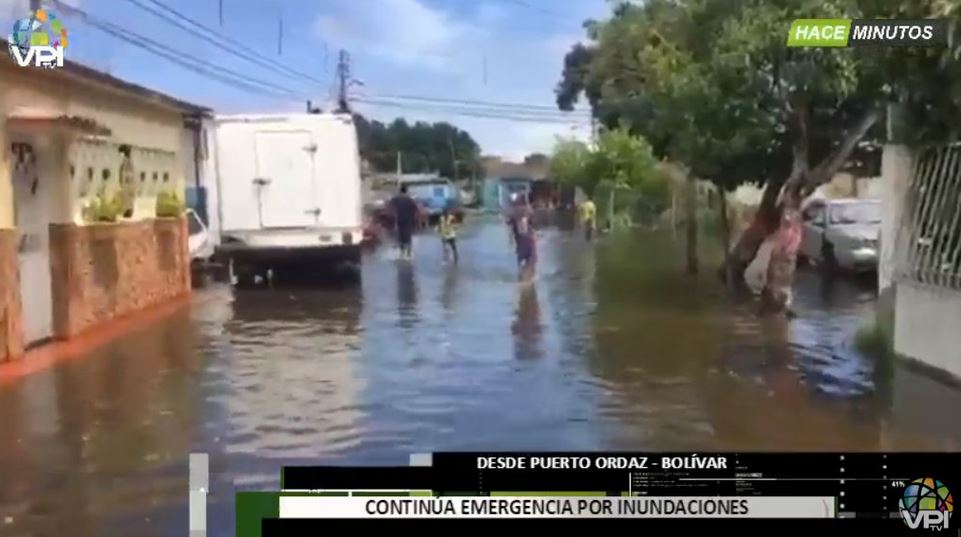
(104, 208)
(169, 205)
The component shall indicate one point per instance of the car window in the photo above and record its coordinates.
(856, 213)
(815, 215)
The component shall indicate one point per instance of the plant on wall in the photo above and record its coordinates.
(104, 208)
(170, 205)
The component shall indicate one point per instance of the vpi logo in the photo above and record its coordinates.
(926, 503)
(38, 40)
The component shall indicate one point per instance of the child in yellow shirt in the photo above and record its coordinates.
(448, 234)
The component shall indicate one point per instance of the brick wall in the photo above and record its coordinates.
(11, 332)
(104, 271)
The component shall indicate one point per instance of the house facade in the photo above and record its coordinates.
(84, 159)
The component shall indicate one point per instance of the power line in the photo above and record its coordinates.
(474, 112)
(546, 11)
(207, 34)
(197, 65)
(479, 110)
(486, 104)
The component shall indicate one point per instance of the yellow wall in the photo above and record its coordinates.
(132, 120)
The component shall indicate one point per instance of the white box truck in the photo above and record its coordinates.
(288, 193)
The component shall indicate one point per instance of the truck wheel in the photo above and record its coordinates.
(241, 276)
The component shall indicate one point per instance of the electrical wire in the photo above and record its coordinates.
(477, 113)
(197, 65)
(545, 11)
(207, 34)
(464, 107)
(485, 104)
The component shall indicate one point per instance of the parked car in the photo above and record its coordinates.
(198, 241)
(842, 233)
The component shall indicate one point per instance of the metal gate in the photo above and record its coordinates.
(932, 220)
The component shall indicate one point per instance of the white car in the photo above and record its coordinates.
(843, 233)
(198, 242)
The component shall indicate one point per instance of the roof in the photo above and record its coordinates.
(81, 72)
(46, 118)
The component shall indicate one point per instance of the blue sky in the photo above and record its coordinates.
(435, 48)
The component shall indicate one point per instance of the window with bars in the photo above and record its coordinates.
(932, 219)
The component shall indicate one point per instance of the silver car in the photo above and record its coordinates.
(843, 233)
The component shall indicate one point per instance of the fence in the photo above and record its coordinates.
(931, 226)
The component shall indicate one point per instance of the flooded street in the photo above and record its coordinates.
(611, 348)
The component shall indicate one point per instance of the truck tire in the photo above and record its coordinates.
(241, 276)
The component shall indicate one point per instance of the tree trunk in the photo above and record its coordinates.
(691, 201)
(763, 224)
(777, 295)
(725, 228)
(771, 217)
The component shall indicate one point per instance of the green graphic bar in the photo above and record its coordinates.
(252, 507)
(819, 33)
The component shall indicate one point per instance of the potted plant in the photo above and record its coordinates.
(170, 205)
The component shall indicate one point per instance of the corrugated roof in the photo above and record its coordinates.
(90, 75)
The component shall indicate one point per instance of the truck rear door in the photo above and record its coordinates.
(338, 187)
(285, 179)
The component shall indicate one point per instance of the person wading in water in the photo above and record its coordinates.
(406, 213)
(523, 237)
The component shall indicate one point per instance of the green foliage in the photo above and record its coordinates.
(712, 85)
(170, 205)
(619, 158)
(876, 337)
(104, 209)
(569, 162)
(426, 147)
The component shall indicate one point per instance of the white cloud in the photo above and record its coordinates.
(527, 138)
(408, 32)
(489, 51)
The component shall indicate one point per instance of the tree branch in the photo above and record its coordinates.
(830, 165)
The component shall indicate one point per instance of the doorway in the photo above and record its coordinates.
(32, 195)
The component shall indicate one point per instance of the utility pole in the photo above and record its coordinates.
(400, 167)
(453, 159)
(343, 79)
(220, 11)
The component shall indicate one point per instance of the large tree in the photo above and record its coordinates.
(713, 86)
(424, 147)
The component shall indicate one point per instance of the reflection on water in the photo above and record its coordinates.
(527, 327)
(611, 347)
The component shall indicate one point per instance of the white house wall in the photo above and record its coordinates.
(926, 325)
(153, 128)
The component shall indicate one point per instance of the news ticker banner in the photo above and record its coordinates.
(857, 32)
(856, 490)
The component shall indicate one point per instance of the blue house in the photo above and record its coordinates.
(433, 192)
(498, 191)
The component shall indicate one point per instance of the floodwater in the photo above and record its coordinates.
(612, 347)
